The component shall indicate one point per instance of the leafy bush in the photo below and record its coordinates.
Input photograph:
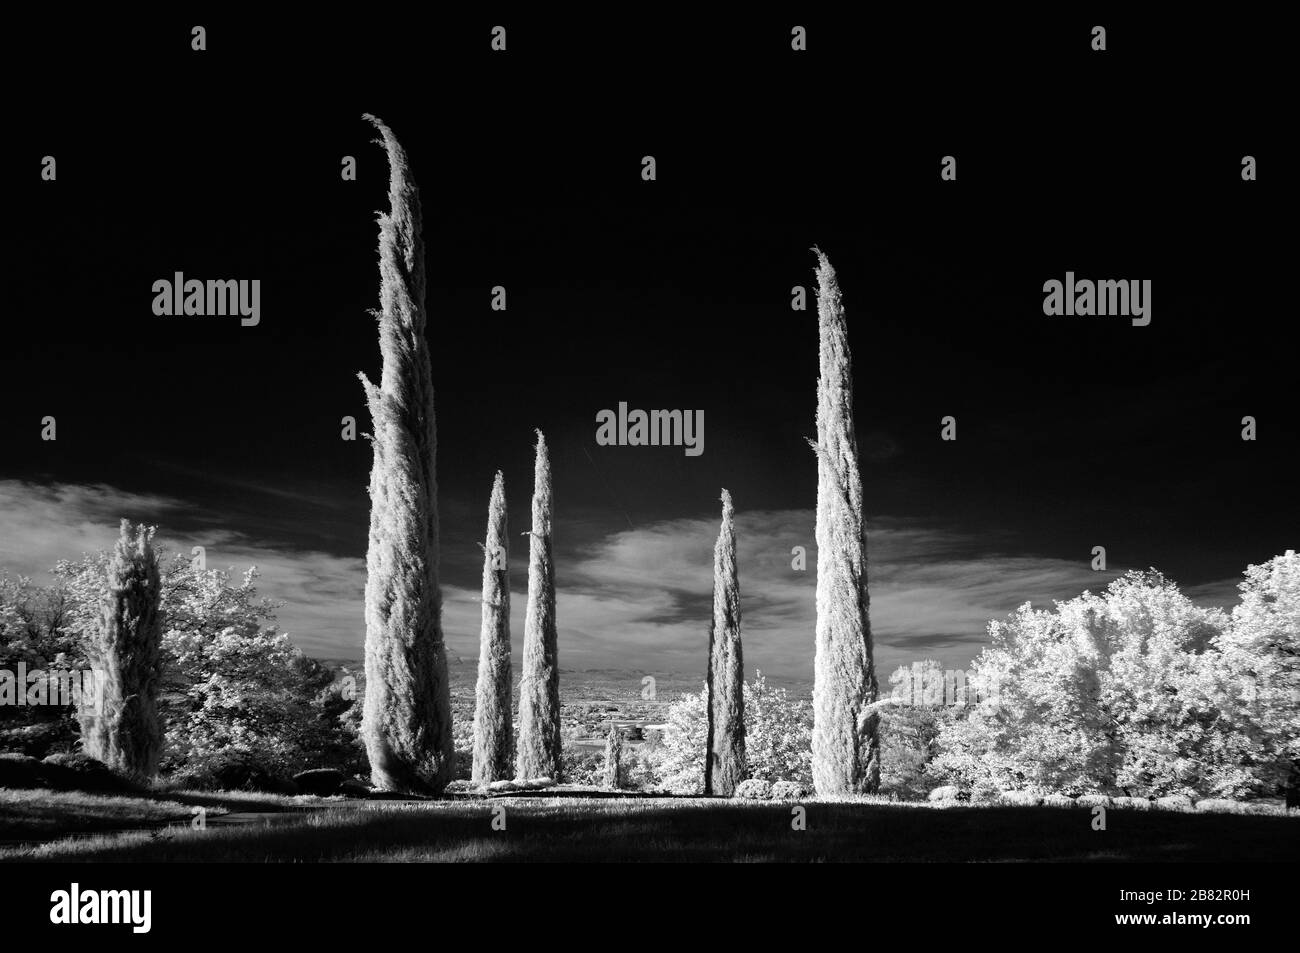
(1219, 805)
(231, 771)
(1094, 800)
(1133, 803)
(1137, 691)
(778, 738)
(1058, 800)
(79, 772)
(233, 685)
(582, 766)
(909, 732)
(789, 791)
(33, 633)
(754, 789)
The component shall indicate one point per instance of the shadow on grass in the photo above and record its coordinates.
(696, 830)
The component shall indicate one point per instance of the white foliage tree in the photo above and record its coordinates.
(846, 745)
(778, 738)
(725, 757)
(538, 753)
(1110, 693)
(407, 722)
(493, 741)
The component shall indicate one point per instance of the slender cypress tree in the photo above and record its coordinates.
(724, 766)
(406, 721)
(845, 743)
(493, 741)
(121, 727)
(538, 749)
(614, 758)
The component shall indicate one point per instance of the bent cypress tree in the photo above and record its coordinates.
(406, 721)
(538, 751)
(845, 742)
(493, 741)
(724, 766)
(119, 725)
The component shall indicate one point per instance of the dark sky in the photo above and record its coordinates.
(1072, 431)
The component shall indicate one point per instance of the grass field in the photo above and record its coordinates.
(679, 829)
(46, 814)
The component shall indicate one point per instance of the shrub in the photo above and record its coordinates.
(233, 771)
(1094, 800)
(19, 771)
(639, 767)
(1221, 805)
(583, 766)
(909, 730)
(79, 772)
(754, 789)
(41, 738)
(778, 738)
(1058, 800)
(1133, 803)
(789, 791)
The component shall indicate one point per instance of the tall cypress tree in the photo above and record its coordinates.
(493, 741)
(724, 765)
(845, 743)
(120, 727)
(406, 721)
(538, 750)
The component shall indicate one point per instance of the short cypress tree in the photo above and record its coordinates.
(538, 748)
(493, 740)
(724, 762)
(614, 758)
(845, 743)
(121, 726)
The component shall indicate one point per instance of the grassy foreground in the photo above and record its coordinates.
(42, 814)
(686, 829)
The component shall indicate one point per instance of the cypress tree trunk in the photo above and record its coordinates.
(845, 745)
(614, 758)
(724, 760)
(406, 721)
(493, 741)
(538, 752)
(124, 650)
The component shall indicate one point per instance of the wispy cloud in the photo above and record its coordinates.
(932, 592)
(636, 599)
